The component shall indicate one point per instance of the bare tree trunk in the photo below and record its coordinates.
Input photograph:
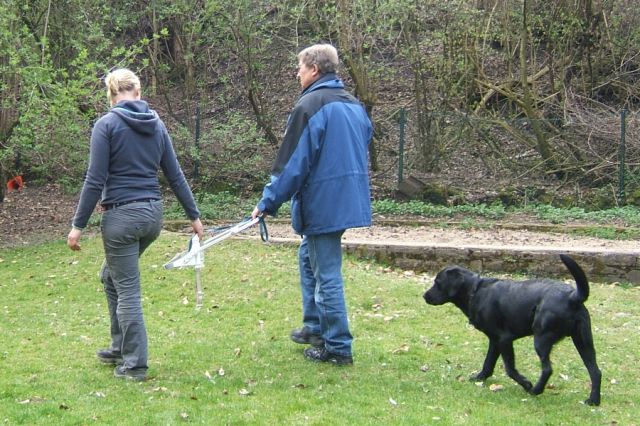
(245, 49)
(44, 32)
(9, 90)
(543, 146)
(353, 55)
(154, 49)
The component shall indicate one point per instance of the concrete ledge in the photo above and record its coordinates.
(606, 266)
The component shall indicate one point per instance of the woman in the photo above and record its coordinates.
(129, 145)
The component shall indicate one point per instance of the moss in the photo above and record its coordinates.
(633, 199)
(519, 196)
(565, 201)
(509, 197)
(600, 200)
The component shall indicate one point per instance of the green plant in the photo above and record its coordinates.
(419, 208)
(222, 205)
(628, 215)
(219, 206)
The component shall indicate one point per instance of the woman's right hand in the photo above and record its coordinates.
(198, 229)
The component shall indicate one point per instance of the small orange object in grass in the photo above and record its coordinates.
(15, 184)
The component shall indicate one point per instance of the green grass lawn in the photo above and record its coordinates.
(233, 362)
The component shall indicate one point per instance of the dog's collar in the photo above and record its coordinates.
(472, 294)
(474, 289)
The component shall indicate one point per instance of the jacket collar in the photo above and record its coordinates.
(326, 80)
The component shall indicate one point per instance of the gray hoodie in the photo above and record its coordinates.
(129, 145)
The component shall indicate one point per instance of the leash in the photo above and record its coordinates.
(194, 255)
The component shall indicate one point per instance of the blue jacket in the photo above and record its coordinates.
(129, 145)
(322, 165)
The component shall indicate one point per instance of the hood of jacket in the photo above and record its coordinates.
(137, 115)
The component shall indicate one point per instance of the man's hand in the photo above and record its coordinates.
(73, 239)
(257, 213)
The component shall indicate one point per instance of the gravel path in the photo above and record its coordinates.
(492, 237)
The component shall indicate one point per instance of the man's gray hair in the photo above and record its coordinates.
(325, 56)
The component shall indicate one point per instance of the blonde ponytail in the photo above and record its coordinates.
(121, 80)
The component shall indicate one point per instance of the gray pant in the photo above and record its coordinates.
(127, 231)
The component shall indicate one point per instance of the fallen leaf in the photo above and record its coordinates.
(244, 392)
(33, 399)
(403, 348)
(184, 415)
(496, 388)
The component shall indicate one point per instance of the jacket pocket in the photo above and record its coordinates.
(297, 222)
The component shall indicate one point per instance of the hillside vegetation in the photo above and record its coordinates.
(480, 101)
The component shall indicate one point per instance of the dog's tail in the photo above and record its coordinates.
(582, 292)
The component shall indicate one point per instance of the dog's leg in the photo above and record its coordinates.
(543, 345)
(583, 341)
(489, 361)
(509, 359)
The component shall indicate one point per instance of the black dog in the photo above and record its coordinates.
(507, 310)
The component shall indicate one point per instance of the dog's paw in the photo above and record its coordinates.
(534, 390)
(592, 402)
(480, 377)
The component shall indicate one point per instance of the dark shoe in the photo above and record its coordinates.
(109, 356)
(121, 372)
(304, 336)
(322, 355)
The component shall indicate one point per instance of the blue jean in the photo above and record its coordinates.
(323, 306)
(127, 231)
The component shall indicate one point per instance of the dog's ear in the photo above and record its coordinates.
(456, 278)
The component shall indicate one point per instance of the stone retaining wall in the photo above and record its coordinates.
(606, 267)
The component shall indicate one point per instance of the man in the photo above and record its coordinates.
(322, 166)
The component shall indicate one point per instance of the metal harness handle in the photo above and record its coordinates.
(194, 256)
